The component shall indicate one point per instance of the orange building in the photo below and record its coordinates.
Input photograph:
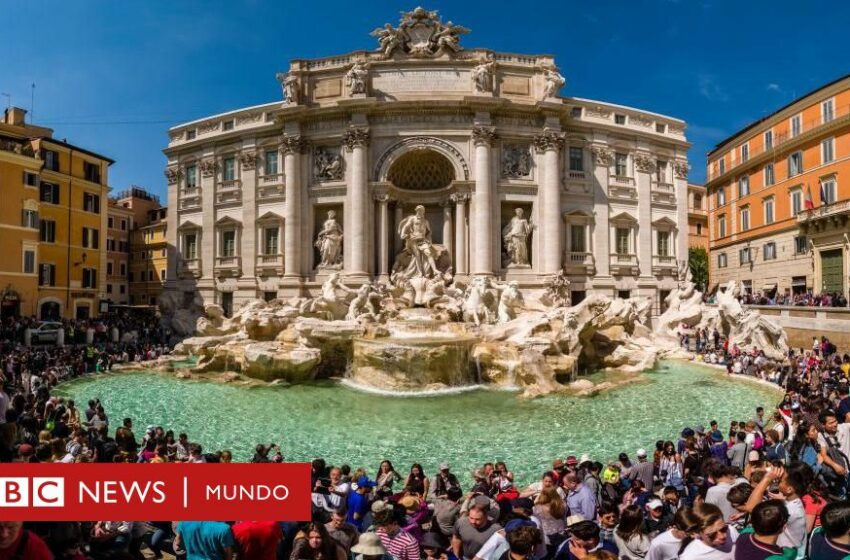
(697, 217)
(760, 182)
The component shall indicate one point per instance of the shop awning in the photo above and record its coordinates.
(768, 287)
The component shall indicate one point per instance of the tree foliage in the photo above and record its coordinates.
(698, 263)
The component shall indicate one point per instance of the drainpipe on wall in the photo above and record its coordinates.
(70, 264)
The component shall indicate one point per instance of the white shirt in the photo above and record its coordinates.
(794, 534)
(698, 550)
(843, 437)
(664, 547)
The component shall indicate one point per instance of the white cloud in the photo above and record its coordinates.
(710, 89)
(773, 87)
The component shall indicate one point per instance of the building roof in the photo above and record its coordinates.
(754, 124)
(77, 148)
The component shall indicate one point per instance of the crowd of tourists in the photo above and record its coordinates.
(806, 299)
(770, 486)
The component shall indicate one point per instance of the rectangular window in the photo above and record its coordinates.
(698, 202)
(827, 150)
(722, 165)
(47, 231)
(721, 260)
(768, 140)
(699, 229)
(576, 159)
(227, 125)
(721, 196)
(190, 246)
(621, 162)
(743, 186)
(660, 128)
(109, 288)
(619, 119)
(768, 211)
(769, 175)
(110, 222)
(91, 203)
(228, 243)
(29, 219)
(622, 240)
(769, 251)
(827, 188)
(109, 268)
(90, 278)
(121, 288)
(49, 192)
(721, 226)
(191, 176)
(123, 225)
(270, 241)
(91, 172)
(191, 134)
(30, 179)
(795, 164)
(827, 110)
(661, 171)
(162, 275)
(800, 245)
(228, 169)
(29, 261)
(796, 202)
(91, 238)
(47, 275)
(663, 239)
(796, 125)
(130, 276)
(745, 152)
(51, 160)
(575, 113)
(123, 269)
(745, 219)
(577, 241)
(744, 256)
(271, 162)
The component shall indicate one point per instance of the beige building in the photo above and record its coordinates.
(148, 247)
(697, 217)
(516, 181)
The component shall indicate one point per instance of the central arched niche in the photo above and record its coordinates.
(421, 170)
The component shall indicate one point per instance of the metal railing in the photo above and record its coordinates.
(833, 209)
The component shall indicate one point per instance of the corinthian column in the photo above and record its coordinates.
(292, 145)
(460, 232)
(549, 144)
(355, 249)
(482, 262)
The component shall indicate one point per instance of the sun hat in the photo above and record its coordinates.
(584, 458)
(409, 502)
(573, 519)
(701, 429)
(369, 545)
(654, 503)
(641, 452)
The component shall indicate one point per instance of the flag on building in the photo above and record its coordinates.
(823, 200)
(810, 204)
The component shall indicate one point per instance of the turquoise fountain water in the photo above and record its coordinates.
(343, 425)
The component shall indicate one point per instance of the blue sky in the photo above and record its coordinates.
(112, 76)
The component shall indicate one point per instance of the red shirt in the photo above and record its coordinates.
(257, 540)
(34, 550)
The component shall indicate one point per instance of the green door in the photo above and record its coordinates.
(832, 270)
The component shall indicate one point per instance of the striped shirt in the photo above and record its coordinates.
(402, 545)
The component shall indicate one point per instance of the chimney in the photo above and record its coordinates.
(14, 116)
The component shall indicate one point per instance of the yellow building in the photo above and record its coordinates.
(67, 191)
(148, 247)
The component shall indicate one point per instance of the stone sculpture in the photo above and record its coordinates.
(509, 302)
(327, 165)
(516, 235)
(329, 242)
(747, 328)
(554, 82)
(420, 34)
(389, 39)
(363, 306)
(557, 291)
(475, 308)
(356, 78)
(290, 87)
(415, 231)
(516, 161)
(333, 301)
(483, 75)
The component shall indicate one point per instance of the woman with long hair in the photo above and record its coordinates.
(385, 479)
(708, 537)
(671, 468)
(313, 542)
(417, 480)
(551, 510)
(632, 542)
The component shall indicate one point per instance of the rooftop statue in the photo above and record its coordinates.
(420, 34)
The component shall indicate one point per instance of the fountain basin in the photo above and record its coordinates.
(408, 362)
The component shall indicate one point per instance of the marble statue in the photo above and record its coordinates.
(356, 78)
(516, 239)
(509, 302)
(482, 76)
(447, 37)
(474, 307)
(747, 328)
(329, 242)
(327, 165)
(389, 39)
(516, 161)
(289, 85)
(415, 231)
(333, 300)
(554, 82)
(363, 306)
(557, 291)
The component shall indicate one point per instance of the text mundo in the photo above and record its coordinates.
(239, 492)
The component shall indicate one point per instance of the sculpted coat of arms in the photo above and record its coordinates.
(420, 34)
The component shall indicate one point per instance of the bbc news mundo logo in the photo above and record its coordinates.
(36, 492)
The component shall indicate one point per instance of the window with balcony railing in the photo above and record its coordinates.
(621, 165)
(576, 159)
(795, 164)
(827, 110)
(577, 240)
(191, 176)
(271, 167)
(228, 169)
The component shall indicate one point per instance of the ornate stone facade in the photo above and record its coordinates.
(372, 136)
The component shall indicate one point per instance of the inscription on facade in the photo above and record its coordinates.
(515, 85)
(421, 80)
(328, 88)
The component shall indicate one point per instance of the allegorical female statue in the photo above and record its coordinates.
(329, 241)
(516, 239)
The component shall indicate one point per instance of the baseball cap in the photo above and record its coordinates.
(572, 461)
(444, 466)
(641, 452)
(364, 482)
(515, 524)
(700, 429)
(654, 503)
